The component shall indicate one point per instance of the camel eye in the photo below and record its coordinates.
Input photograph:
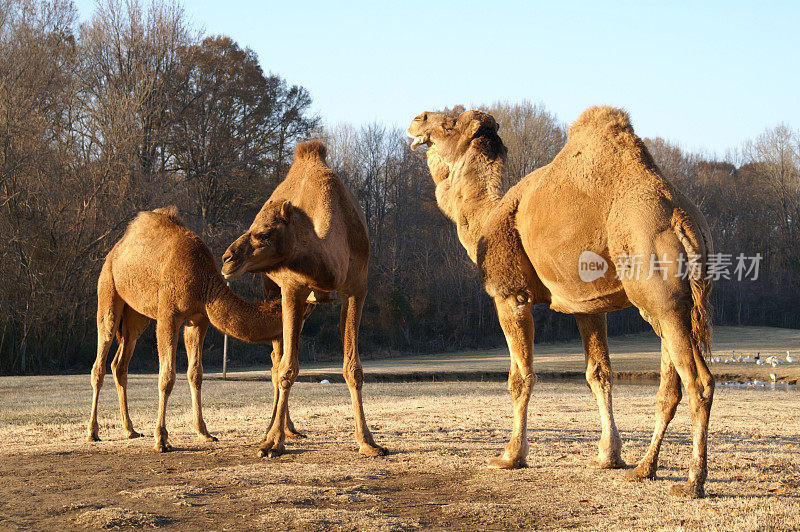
(260, 239)
(425, 116)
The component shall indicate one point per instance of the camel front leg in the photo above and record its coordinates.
(349, 323)
(133, 325)
(289, 428)
(167, 341)
(293, 303)
(517, 323)
(193, 336)
(598, 374)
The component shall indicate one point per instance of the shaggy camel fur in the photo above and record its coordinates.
(602, 195)
(310, 235)
(160, 270)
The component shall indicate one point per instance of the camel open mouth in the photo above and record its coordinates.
(418, 139)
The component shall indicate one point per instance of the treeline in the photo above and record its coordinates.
(134, 109)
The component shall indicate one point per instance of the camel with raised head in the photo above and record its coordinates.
(160, 270)
(602, 200)
(310, 235)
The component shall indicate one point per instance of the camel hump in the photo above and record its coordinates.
(313, 149)
(602, 119)
(171, 212)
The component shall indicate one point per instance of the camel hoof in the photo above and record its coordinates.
(294, 435)
(163, 447)
(498, 462)
(368, 449)
(271, 450)
(207, 438)
(688, 491)
(132, 435)
(93, 436)
(608, 463)
(638, 474)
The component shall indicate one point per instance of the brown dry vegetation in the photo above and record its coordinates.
(439, 436)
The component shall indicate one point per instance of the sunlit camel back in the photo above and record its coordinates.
(559, 237)
(161, 270)
(310, 235)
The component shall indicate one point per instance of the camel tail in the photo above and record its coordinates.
(697, 250)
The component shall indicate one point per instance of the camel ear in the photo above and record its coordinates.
(287, 211)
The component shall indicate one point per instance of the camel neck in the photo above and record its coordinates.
(468, 197)
(232, 315)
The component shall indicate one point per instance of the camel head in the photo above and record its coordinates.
(269, 241)
(450, 137)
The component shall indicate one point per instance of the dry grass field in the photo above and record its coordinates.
(439, 435)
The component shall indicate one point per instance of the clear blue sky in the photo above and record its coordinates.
(706, 76)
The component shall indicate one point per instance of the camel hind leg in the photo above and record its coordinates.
(132, 326)
(593, 329)
(681, 362)
(669, 395)
(699, 383)
(194, 334)
(349, 323)
(109, 313)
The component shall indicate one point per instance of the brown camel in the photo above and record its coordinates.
(160, 270)
(310, 235)
(601, 201)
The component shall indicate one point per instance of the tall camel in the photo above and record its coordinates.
(310, 235)
(160, 270)
(603, 199)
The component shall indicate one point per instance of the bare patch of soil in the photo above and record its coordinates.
(439, 435)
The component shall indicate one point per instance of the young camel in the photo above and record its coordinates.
(160, 270)
(602, 199)
(310, 236)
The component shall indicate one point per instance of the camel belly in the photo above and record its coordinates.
(567, 245)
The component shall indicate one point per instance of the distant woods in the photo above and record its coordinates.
(134, 109)
(131, 110)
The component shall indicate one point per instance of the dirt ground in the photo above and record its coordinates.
(439, 435)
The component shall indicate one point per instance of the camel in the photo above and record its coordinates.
(602, 198)
(310, 235)
(160, 270)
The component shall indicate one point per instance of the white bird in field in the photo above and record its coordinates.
(773, 377)
(727, 360)
(790, 358)
(759, 362)
(747, 359)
